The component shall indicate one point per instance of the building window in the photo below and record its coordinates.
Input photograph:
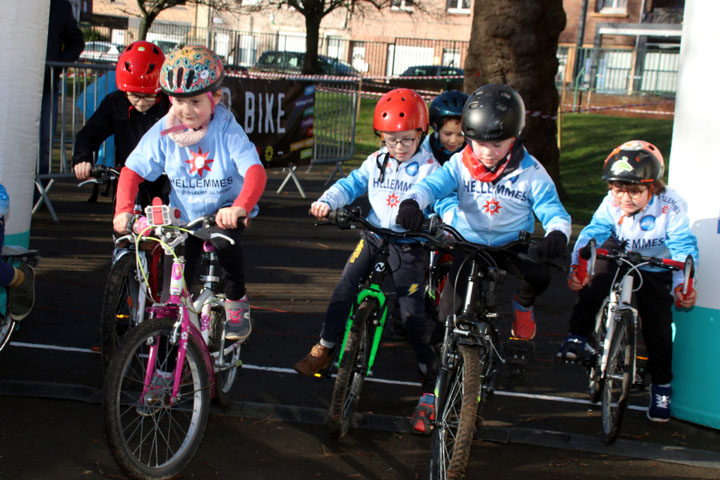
(611, 6)
(458, 6)
(401, 4)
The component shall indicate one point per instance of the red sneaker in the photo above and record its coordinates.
(524, 325)
(424, 415)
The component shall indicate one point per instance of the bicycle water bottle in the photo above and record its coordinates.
(4, 201)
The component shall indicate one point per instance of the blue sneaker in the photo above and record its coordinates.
(574, 348)
(659, 409)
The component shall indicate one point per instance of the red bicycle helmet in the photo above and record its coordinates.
(400, 110)
(635, 161)
(138, 68)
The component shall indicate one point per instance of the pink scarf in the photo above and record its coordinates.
(181, 134)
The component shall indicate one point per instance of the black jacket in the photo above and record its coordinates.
(65, 40)
(115, 116)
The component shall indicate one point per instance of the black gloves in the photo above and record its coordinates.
(552, 246)
(410, 216)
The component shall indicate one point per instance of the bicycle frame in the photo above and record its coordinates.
(372, 290)
(181, 305)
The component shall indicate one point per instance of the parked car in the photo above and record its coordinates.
(292, 62)
(434, 84)
(101, 51)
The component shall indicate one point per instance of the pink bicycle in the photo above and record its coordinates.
(161, 378)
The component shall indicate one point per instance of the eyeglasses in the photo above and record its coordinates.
(136, 97)
(634, 194)
(393, 142)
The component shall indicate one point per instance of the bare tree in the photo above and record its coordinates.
(515, 42)
(314, 11)
(149, 10)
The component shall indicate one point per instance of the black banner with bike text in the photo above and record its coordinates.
(277, 116)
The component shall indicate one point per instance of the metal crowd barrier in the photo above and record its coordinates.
(73, 91)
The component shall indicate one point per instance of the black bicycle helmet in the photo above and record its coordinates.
(447, 104)
(635, 161)
(493, 113)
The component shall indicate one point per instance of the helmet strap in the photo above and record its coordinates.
(381, 161)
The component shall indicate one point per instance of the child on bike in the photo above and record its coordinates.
(497, 189)
(639, 213)
(212, 166)
(127, 113)
(445, 119)
(20, 280)
(401, 120)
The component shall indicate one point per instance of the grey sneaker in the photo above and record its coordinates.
(237, 315)
(22, 298)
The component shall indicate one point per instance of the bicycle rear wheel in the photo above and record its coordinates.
(458, 400)
(120, 306)
(351, 371)
(150, 436)
(225, 378)
(618, 378)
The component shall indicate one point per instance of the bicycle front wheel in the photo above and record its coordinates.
(456, 416)
(351, 371)
(120, 306)
(151, 435)
(618, 378)
(7, 326)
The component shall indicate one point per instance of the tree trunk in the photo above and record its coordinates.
(514, 42)
(312, 36)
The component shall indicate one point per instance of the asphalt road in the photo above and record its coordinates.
(537, 425)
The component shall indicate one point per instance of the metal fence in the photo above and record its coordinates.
(604, 70)
(80, 87)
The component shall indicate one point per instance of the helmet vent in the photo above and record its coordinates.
(128, 67)
(402, 114)
(190, 77)
(180, 73)
(150, 68)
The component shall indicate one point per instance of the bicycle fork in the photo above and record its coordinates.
(619, 301)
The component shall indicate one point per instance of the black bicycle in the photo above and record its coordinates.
(133, 283)
(470, 353)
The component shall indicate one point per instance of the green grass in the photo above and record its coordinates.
(586, 141)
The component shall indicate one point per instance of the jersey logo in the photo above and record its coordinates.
(492, 207)
(621, 166)
(412, 169)
(393, 200)
(199, 162)
(647, 223)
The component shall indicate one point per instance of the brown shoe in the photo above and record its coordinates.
(318, 359)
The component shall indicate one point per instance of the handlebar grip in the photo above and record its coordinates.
(581, 272)
(673, 263)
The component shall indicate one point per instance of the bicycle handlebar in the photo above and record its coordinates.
(591, 253)
(173, 233)
(348, 219)
(101, 174)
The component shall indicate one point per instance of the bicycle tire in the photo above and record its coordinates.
(456, 416)
(618, 378)
(595, 377)
(351, 372)
(118, 315)
(224, 379)
(149, 437)
(7, 327)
